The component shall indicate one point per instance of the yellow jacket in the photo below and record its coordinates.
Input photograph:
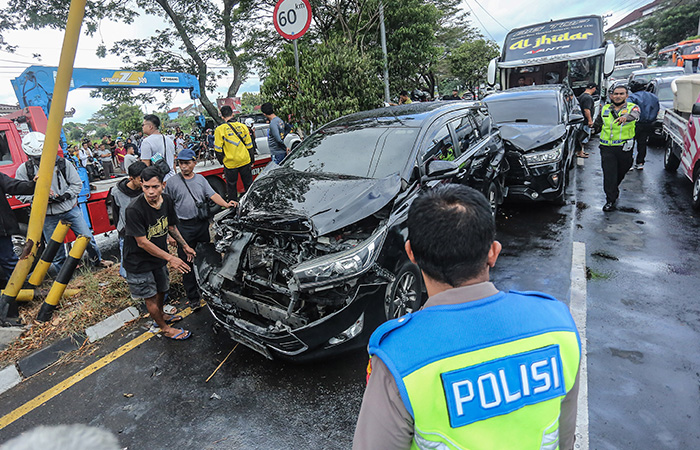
(236, 153)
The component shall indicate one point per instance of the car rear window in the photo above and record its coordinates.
(531, 109)
(360, 151)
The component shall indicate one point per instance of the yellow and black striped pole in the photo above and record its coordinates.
(64, 276)
(57, 238)
(27, 295)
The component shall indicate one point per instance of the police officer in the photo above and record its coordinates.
(616, 123)
(476, 367)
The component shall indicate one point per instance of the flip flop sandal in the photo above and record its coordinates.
(173, 319)
(181, 336)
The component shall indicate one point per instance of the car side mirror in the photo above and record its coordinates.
(576, 118)
(696, 109)
(438, 169)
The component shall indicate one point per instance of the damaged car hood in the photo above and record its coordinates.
(527, 137)
(318, 203)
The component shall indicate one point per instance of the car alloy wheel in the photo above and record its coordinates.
(671, 161)
(404, 293)
(696, 190)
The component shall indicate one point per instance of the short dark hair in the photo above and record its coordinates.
(226, 111)
(403, 93)
(460, 215)
(620, 86)
(592, 85)
(137, 168)
(153, 119)
(267, 108)
(150, 172)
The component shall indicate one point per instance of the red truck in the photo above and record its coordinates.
(32, 118)
(682, 132)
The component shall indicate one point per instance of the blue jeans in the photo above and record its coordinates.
(277, 157)
(8, 259)
(122, 270)
(79, 227)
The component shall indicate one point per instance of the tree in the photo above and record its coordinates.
(676, 21)
(249, 101)
(200, 33)
(470, 61)
(119, 119)
(334, 80)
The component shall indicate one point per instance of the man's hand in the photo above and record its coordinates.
(179, 265)
(171, 241)
(189, 251)
(621, 119)
(232, 204)
(36, 177)
(590, 124)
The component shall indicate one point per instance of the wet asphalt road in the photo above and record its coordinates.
(643, 341)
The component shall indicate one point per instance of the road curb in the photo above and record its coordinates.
(14, 374)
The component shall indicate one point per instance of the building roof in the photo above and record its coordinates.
(635, 15)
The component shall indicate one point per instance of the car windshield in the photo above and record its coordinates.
(531, 110)
(623, 72)
(646, 77)
(358, 150)
(665, 93)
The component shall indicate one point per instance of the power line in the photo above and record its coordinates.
(489, 14)
(478, 20)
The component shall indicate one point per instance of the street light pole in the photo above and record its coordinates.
(386, 59)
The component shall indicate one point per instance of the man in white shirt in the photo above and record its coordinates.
(156, 143)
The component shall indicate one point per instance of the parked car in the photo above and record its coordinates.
(313, 261)
(261, 130)
(623, 71)
(646, 75)
(540, 126)
(661, 87)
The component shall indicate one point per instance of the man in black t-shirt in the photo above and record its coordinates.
(587, 104)
(149, 219)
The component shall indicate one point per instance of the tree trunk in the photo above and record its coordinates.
(230, 50)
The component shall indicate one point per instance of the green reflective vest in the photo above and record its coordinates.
(483, 375)
(613, 133)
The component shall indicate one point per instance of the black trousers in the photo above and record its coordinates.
(642, 133)
(231, 176)
(193, 231)
(615, 163)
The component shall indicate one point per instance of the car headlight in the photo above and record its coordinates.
(549, 156)
(342, 265)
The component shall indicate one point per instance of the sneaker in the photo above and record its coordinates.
(609, 206)
(639, 166)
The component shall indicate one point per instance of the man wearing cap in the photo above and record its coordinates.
(587, 108)
(188, 190)
(63, 198)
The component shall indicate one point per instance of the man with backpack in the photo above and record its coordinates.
(232, 144)
(63, 198)
(648, 104)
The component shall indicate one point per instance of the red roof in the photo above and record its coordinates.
(178, 109)
(635, 15)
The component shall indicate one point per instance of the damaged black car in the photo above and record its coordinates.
(541, 127)
(313, 261)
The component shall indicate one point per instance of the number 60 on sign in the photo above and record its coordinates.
(292, 18)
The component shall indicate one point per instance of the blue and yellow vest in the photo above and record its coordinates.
(612, 133)
(487, 374)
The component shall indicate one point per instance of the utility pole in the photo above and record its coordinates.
(386, 58)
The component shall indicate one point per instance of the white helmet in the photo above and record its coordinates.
(249, 122)
(33, 143)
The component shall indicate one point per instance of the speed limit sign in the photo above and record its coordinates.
(292, 18)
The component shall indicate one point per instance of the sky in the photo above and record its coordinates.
(493, 18)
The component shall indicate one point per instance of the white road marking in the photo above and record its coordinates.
(577, 305)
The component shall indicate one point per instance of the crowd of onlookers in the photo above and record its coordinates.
(106, 157)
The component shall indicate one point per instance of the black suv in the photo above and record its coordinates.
(314, 259)
(540, 126)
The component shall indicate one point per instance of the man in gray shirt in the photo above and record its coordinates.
(275, 138)
(155, 143)
(188, 189)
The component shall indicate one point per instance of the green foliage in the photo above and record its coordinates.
(675, 22)
(334, 80)
(122, 119)
(470, 61)
(249, 100)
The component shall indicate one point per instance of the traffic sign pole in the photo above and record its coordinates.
(296, 56)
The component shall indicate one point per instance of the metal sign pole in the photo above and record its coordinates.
(386, 63)
(296, 56)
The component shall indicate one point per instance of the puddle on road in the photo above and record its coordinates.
(630, 355)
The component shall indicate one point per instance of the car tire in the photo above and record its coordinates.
(404, 294)
(695, 199)
(671, 161)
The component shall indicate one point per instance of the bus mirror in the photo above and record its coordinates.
(492, 72)
(696, 109)
(609, 61)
